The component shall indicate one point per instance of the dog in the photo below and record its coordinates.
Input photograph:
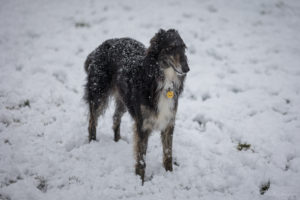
(146, 82)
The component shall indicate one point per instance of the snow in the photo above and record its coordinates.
(243, 88)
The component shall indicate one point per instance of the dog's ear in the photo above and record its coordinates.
(155, 43)
(174, 37)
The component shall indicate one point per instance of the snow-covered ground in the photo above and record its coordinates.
(243, 89)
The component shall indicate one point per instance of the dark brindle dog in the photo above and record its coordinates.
(146, 82)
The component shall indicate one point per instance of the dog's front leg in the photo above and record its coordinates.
(141, 143)
(167, 140)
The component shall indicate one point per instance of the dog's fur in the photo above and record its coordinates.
(139, 79)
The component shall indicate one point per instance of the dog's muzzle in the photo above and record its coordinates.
(181, 73)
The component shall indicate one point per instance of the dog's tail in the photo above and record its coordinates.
(99, 75)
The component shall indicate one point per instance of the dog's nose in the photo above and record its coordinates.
(186, 69)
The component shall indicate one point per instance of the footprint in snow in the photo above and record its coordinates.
(212, 9)
(60, 76)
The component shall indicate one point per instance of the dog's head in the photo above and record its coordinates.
(169, 49)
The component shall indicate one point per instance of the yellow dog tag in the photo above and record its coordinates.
(170, 94)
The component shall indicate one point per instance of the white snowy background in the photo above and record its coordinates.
(243, 88)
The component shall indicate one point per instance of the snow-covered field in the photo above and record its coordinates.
(237, 132)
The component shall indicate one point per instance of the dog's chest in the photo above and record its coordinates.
(166, 111)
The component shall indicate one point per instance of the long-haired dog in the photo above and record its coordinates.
(146, 82)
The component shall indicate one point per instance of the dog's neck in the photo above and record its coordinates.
(171, 79)
(169, 84)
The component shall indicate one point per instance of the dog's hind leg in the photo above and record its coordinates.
(167, 140)
(119, 111)
(97, 92)
(96, 109)
(141, 143)
(93, 117)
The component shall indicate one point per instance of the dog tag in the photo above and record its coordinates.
(170, 94)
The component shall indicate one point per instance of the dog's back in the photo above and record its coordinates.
(113, 51)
